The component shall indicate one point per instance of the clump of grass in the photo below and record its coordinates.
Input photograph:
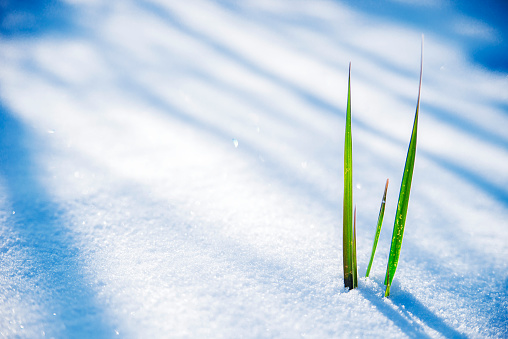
(405, 189)
(378, 229)
(348, 232)
(349, 220)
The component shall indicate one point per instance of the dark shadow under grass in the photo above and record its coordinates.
(402, 308)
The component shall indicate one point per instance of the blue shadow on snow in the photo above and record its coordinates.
(54, 263)
(465, 23)
(33, 17)
(406, 308)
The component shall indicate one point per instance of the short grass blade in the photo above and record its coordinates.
(355, 267)
(387, 292)
(348, 249)
(378, 229)
(405, 188)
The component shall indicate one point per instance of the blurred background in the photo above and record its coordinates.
(174, 168)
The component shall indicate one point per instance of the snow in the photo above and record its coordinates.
(174, 169)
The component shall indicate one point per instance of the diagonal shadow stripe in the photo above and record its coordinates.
(54, 263)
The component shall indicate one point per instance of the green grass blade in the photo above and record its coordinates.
(378, 229)
(348, 253)
(405, 188)
(387, 292)
(355, 267)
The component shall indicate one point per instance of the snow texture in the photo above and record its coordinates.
(174, 169)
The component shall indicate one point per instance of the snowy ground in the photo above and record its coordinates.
(127, 209)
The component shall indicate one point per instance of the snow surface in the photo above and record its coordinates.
(173, 169)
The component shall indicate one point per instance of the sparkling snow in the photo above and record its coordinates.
(174, 169)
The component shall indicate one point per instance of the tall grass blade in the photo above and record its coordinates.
(348, 249)
(378, 229)
(405, 188)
